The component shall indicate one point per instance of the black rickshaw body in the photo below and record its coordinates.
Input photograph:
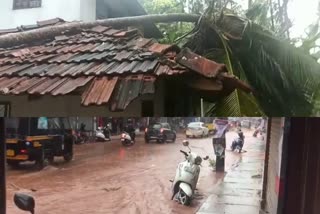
(38, 139)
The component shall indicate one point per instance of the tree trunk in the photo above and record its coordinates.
(271, 12)
(286, 18)
(49, 32)
(249, 4)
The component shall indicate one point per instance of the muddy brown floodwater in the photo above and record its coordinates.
(109, 178)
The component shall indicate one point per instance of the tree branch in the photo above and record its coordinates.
(15, 39)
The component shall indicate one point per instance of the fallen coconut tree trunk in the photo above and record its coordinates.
(15, 39)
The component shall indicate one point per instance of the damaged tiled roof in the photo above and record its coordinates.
(99, 51)
(102, 58)
(104, 64)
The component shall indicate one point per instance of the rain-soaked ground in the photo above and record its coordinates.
(109, 178)
(240, 191)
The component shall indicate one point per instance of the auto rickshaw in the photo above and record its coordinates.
(38, 139)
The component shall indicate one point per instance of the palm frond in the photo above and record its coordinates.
(280, 71)
(237, 103)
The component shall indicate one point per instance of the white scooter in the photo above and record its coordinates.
(187, 175)
(101, 135)
(126, 139)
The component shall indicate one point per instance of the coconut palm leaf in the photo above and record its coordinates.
(228, 106)
(277, 70)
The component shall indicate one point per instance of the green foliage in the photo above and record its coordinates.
(285, 79)
(170, 31)
(310, 44)
(162, 6)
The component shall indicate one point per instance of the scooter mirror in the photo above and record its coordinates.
(24, 202)
(185, 143)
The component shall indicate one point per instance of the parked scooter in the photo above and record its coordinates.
(186, 178)
(126, 139)
(102, 134)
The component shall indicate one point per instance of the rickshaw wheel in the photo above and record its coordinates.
(42, 161)
(68, 157)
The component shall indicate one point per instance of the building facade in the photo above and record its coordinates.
(15, 13)
(292, 166)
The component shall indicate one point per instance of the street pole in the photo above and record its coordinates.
(201, 104)
(2, 167)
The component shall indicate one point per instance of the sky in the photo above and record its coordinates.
(301, 12)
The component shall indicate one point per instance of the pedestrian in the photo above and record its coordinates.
(120, 126)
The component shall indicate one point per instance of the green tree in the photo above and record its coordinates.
(272, 14)
(171, 31)
(310, 43)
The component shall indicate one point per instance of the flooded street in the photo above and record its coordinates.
(110, 178)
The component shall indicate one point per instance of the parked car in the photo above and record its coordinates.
(160, 132)
(211, 127)
(246, 124)
(197, 129)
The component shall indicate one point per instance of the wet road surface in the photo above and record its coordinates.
(110, 178)
(240, 191)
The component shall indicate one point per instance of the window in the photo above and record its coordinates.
(156, 126)
(24, 4)
(42, 123)
(193, 125)
(4, 110)
(54, 123)
(167, 126)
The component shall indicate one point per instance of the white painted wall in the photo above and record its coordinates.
(69, 10)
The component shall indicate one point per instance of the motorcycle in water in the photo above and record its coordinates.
(237, 144)
(186, 178)
(126, 139)
(256, 132)
(81, 137)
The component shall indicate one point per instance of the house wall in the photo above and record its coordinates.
(69, 10)
(274, 162)
(70, 105)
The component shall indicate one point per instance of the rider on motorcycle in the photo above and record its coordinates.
(83, 133)
(240, 134)
(130, 129)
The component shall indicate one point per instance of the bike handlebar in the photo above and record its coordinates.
(183, 152)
